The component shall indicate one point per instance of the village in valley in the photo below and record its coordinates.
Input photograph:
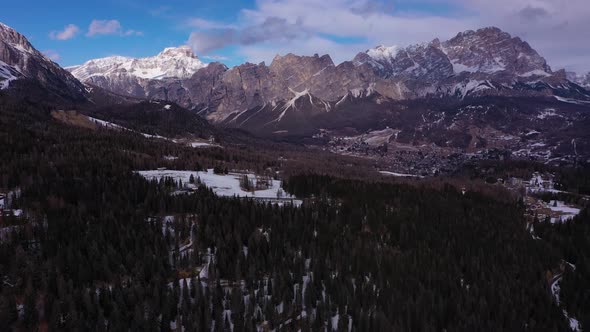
(543, 201)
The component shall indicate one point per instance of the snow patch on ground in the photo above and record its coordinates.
(547, 113)
(555, 291)
(379, 137)
(459, 68)
(334, 322)
(111, 125)
(572, 101)
(200, 144)
(107, 124)
(400, 174)
(7, 73)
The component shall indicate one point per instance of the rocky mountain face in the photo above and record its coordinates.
(425, 62)
(479, 91)
(483, 62)
(219, 91)
(486, 62)
(296, 114)
(492, 51)
(488, 52)
(20, 62)
(249, 85)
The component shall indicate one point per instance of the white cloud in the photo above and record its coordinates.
(104, 27)
(555, 28)
(271, 28)
(215, 57)
(52, 55)
(109, 27)
(70, 31)
(314, 26)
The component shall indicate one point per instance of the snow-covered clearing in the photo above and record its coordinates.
(379, 137)
(223, 184)
(201, 144)
(115, 126)
(191, 143)
(106, 124)
(565, 212)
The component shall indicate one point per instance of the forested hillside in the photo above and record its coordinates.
(98, 247)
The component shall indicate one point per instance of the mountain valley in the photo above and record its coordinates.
(441, 186)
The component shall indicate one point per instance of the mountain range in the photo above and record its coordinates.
(477, 91)
(473, 63)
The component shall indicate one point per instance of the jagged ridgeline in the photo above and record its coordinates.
(473, 63)
(478, 91)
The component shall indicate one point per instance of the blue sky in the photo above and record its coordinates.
(232, 31)
(160, 24)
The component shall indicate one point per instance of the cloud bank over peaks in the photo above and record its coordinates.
(344, 27)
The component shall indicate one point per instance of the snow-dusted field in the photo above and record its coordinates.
(400, 174)
(111, 125)
(221, 184)
(378, 137)
(566, 212)
(198, 144)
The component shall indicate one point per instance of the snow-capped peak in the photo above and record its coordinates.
(181, 51)
(172, 62)
(580, 79)
(384, 53)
